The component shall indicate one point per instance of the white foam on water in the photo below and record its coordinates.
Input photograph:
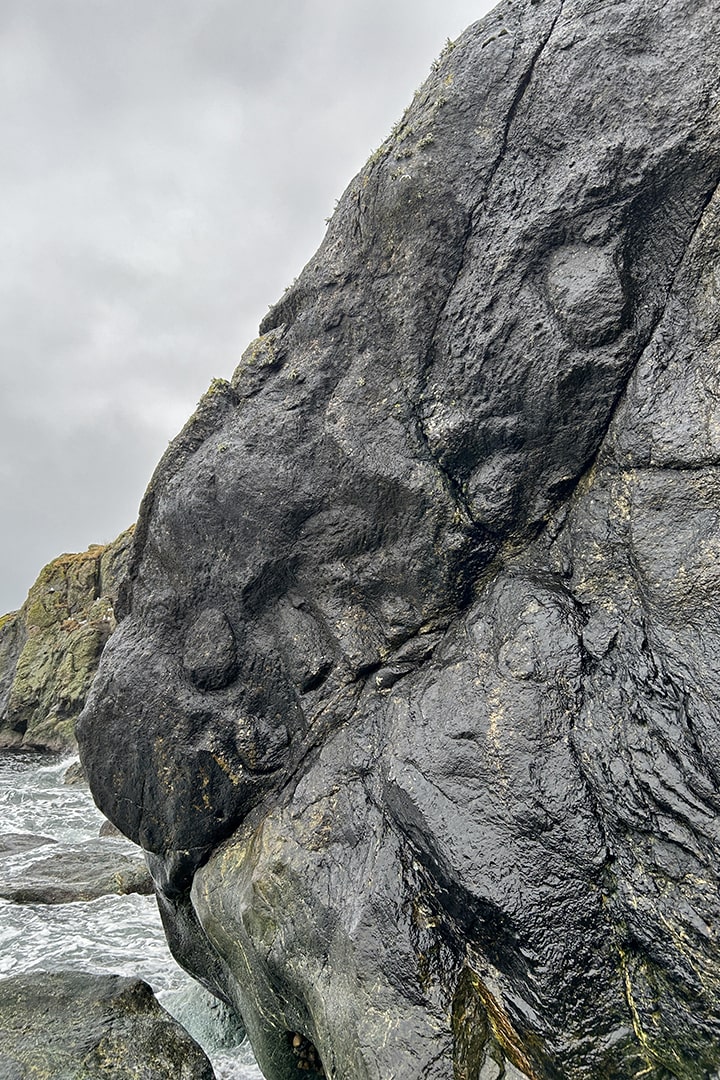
(112, 935)
(34, 799)
(119, 935)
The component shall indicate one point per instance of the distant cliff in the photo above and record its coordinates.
(415, 699)
(50, 648)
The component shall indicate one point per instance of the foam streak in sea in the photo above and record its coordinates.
(114, 934)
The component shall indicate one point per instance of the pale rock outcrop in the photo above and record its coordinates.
(51, 647)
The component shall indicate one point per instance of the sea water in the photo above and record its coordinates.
(119, 935)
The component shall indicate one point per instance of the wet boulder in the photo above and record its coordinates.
(15, 843)
(83, 872)
(91, 1027)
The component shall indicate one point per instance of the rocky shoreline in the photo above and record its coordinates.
(413, 700)
(68, 919)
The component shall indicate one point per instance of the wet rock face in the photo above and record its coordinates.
(50, 649)
(414, 699)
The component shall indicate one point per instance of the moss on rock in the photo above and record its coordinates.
(77, 1026)
(50, 649)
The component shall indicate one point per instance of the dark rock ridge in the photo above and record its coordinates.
(50, 649)
(74, 1026)
(414, 701)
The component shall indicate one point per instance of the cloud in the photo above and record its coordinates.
(166, 171)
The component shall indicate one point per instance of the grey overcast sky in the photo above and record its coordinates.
(166, 170)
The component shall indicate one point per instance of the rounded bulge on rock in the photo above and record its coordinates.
(210, 654)
(586, 294)
(211, 663)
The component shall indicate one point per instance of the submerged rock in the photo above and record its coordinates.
(15, 843)
(50, 649)
(85, 872)
(414, 701)
(108, 829)
(74, 775)
(91, 1027)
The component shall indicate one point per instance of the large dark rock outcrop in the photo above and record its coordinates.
(50, 648)
(415, 697)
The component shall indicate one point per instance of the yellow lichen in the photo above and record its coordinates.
(480, 1020)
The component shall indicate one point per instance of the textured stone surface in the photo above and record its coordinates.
(50, 649)
(14, 843)
(84, 872)
(415, 697)
(74, 1026)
